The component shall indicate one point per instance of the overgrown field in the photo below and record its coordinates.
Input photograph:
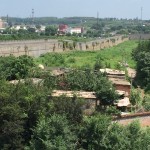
(110, 57)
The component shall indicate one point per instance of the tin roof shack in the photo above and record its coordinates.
(121, 84)
(117, 77)
(113, 73)
(55, 71)
(36, 81)
(90, 98)
(123, 103)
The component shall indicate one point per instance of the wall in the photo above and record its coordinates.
(125, 88)
(139, 36)
(37, 47)
(143, 118)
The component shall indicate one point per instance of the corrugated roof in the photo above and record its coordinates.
(81, 94)
(112, 71)
(118, 81)
(123, 102)
(34, 80)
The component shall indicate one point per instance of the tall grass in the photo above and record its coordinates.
(112, 56)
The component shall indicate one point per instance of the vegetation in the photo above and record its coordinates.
(109, 57)
(142, 56)
(32, 119)
(94, 28)
(16, 68)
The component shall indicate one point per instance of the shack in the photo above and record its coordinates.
(117, 77)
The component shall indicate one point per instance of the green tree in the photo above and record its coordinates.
(98, 65)
(70, 107)
(105, 92)
(51, 30)
(12, 119)
(93, 131)
(15, 68)
(31, 30)
(21, 106)
(53, 133)
(142, 56)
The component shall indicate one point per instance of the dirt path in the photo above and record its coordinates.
(144, 121)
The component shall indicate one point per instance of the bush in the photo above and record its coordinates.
(112, 111)
(71, 60)
(146, 103)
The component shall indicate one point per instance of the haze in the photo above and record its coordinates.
(69, 8)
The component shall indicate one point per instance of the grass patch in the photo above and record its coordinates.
(111, 56)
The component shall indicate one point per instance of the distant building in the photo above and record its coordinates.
(18, 27)
(117, 77)
(121, 84)
(77, 30)
(62, 29)
(42, 29)
(3, 24)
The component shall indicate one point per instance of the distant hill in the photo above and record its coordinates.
(50, 20)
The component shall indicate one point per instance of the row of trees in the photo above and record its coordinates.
(142, 56)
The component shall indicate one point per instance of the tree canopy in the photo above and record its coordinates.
(142, 56)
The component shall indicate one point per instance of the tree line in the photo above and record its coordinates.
(142, 56)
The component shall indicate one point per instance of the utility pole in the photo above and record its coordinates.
(7, 18)
(141, 14)
(97, 19)
(32, 16)
(141, 22)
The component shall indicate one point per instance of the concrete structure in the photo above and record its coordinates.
(18, 27)
(3, 24)
(113, 73)
(37, 47)
(124, 102)
(81, 94)
(117, 77)
(143, 118)
(121, 84)
(76, 30)
(139, 36)
(89, 97)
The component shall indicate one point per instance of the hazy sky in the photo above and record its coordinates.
(69, 8)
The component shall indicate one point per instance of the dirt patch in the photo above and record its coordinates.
(144, 121)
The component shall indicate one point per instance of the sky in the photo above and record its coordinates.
(71, 8)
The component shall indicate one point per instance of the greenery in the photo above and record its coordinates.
(53, 133)
(16, 68)
(32, 119)
(102, 27)
(109, 57)
(142, 56)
